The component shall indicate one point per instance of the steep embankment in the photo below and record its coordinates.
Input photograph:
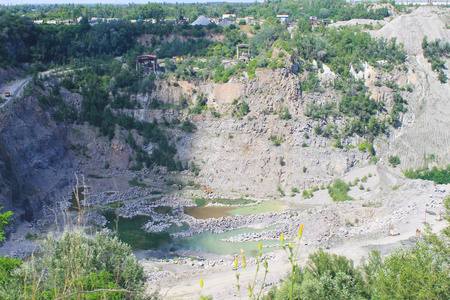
(425, 126)
(265, 149)
(34, 158)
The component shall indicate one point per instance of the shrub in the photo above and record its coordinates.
(326, 276)
(200, 201)
(306, 194)
(280, 190)
(394, 160)
(276, 140)
(284, 113)
(440, 176)
(339, 190)
(188, 126)
(76, 263)
(245, 109)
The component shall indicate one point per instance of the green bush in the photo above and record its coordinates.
(440, 176)
(394, 160)
(325, 276)
(276, 140)
(338, 191)
(284, 114)
(188, 126)
(280, 190)
(75, 263)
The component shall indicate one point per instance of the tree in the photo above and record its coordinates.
(100, 264)
(7, 265)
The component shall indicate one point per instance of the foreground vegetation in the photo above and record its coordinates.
(417, 273)
(74, 266)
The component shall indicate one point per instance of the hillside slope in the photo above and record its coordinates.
(425, 127)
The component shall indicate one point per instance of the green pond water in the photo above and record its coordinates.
(210, 242)
(129, 231)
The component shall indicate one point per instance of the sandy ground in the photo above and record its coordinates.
(179, 278)
(358, 22)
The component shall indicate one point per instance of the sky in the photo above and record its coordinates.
(20, 2)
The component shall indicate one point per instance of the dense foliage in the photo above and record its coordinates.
(74, 263)
(7, 264)
(434, 51)
(438, 175)
(341, 48)
(338, 191)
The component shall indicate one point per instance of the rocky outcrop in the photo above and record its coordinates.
(33, 158)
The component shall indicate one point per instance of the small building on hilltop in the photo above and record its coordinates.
(284, 19)
(149, 63)
(229, 16)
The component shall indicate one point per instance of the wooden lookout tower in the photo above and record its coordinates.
(149, 62)
(244, 54)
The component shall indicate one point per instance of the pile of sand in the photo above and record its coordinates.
(412, 28)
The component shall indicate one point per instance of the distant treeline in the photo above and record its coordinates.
(337, 10)
(26, 42)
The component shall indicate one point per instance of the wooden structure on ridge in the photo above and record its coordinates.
(149, 62)
(244, 55)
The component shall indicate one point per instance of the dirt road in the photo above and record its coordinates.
(14, 88)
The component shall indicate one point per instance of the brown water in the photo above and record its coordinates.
(223, 211)
(208, 212)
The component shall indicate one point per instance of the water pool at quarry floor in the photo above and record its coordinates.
(129, 231)
(206, 212)
(211, 242)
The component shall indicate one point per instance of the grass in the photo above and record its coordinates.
(98, 176)
(372, 204)
(395, 187)
(239, 201)
(200, 201)
(135, 182)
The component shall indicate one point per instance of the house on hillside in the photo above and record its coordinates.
(284, 19)
(225, 23)
(229, 16)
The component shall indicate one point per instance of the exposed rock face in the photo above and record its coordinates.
(34, 160)
(239, 153)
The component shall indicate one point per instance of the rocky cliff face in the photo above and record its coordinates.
(33, 157)
(261, 151)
